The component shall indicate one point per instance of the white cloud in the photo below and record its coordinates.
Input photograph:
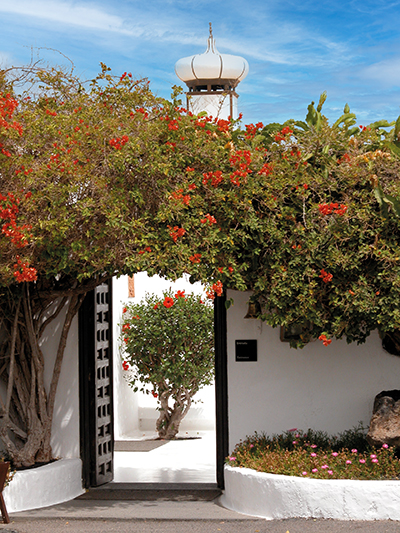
(88, 16)
(5, 59)
(374, 7)
(285, 44)
(385, 73)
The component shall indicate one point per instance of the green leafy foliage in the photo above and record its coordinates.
(122, 182)
(307, 218)
(168, 343)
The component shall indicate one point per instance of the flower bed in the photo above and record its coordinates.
(316, 455)
(312, 475)
(273, 496)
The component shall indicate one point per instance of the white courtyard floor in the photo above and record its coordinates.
(191, 460)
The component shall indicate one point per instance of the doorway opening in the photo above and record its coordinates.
(117, 436)
(139, 456)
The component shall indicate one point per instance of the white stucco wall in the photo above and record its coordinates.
(136, 412)
(125, 401)
(65, 429)
(325, 388)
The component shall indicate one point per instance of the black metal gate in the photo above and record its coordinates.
(96, 391)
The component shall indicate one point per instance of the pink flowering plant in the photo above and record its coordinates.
(168, 351)
(315, 455)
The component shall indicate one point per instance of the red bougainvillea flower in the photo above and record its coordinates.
(215, 178)
(266, 169)
(195, 258)
(345, 157)
(223, 125)
(180, 294)
(154, 394)
(125, 309)
(168, 302)
(176, 232)
(325, 340)
(281, 136)
(210, 218)
(147, 249)
(328, 209)
(24, 272)
(178, 195)
(125, 327)
(118, 142)
(216, 288)
(125, 365)
(156, 306)
(326, 276)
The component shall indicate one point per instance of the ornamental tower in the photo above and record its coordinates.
(212, 79)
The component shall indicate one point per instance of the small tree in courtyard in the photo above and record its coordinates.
(169, 345)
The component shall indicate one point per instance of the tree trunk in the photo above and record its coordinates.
(27, 414)
(170, 418)
(26, 311)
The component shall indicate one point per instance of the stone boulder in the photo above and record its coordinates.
(385, 422)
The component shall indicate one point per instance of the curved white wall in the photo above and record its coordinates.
(328, 388)
(276, 497)
(46, 485)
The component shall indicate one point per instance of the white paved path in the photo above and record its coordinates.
(178, 461)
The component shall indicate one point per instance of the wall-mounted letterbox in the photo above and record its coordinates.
(246, 350)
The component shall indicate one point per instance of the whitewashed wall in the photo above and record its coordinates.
(325, 388)
(135, 413)
(65, 429)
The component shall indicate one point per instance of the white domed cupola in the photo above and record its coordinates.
(212, 74)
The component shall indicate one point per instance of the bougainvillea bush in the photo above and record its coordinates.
(168, 343)
(314, 454)
(102, 178)
(307, 217)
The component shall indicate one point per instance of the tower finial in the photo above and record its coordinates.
(211, 41)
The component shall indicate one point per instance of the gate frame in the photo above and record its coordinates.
(88, 389)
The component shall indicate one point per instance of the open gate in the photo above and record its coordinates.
(96, 390)
(96, 386)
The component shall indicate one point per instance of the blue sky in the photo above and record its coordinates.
(295, 48)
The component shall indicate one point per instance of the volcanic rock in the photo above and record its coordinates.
(384, 427)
